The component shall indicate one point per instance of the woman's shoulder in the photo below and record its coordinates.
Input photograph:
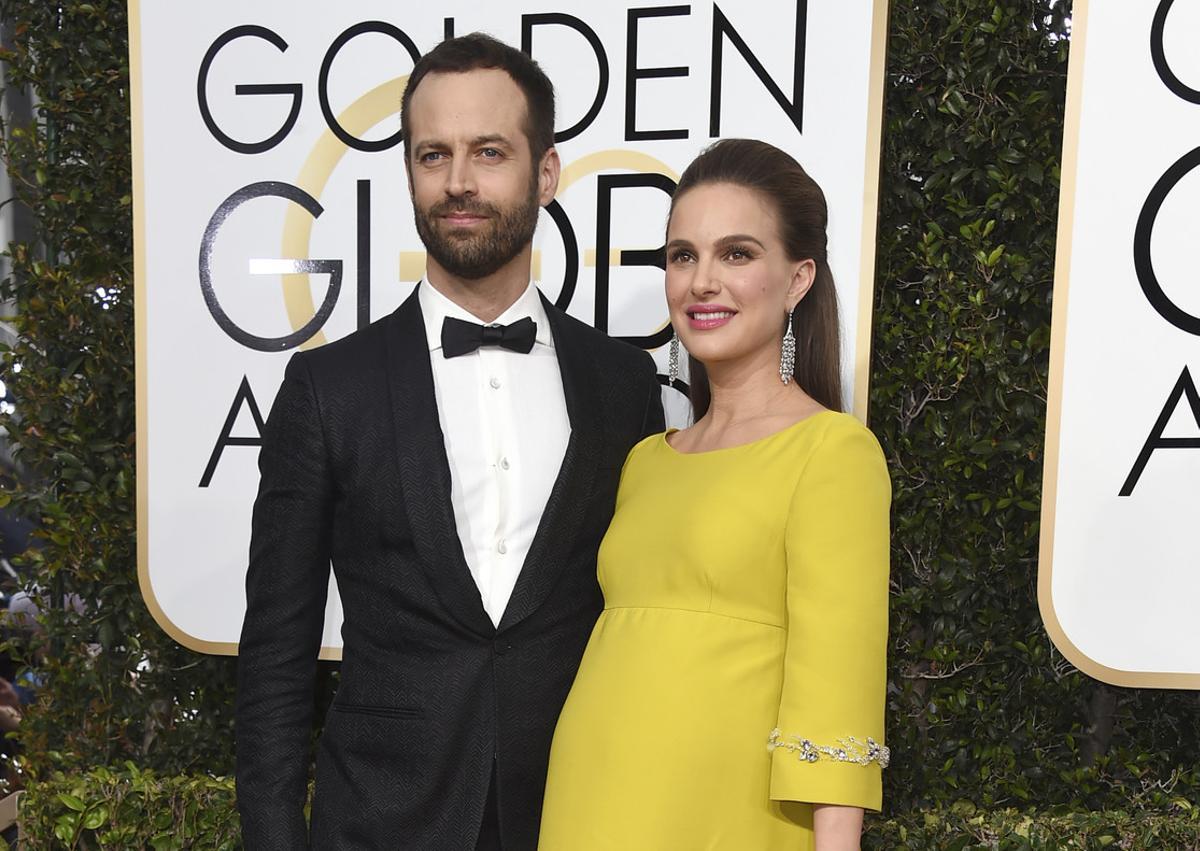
(840, 439)
(643, 449)
(842, 460)
(839, 429)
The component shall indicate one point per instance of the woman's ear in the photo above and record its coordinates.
(803, 275)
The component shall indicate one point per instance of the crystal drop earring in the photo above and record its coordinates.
(787, 355)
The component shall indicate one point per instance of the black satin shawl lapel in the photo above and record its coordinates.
(424, 469)
(569, 498)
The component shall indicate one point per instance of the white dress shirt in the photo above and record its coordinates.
(504, 422)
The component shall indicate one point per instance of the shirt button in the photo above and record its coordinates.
(494, 382)
(502, 547)
(504, 465)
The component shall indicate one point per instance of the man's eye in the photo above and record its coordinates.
(490, 153)
(430, 156)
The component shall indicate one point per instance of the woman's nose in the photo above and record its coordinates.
(706, 281)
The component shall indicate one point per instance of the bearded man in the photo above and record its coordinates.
(457, 462)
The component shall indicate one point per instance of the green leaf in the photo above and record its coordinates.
(64, 832)
(71, 802)
(166, 842)
(93, 819)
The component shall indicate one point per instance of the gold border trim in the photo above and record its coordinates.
(870, 221)
(1058, 345)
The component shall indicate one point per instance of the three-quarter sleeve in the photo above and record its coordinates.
(828, 745)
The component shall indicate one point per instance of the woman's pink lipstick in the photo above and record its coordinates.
(705, 317)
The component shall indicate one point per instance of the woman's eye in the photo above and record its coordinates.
(680, 256)
(738, 254)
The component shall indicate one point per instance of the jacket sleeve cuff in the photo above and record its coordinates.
(848, 772)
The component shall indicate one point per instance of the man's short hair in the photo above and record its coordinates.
(475, 51)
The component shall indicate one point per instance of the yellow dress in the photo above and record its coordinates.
(739, 663)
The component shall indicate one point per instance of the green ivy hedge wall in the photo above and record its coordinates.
(986, 720)
(142, 697)
(126, 807)
(982, 708)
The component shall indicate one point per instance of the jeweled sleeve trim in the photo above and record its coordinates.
(849, 749)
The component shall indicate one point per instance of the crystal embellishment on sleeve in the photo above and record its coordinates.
(849, 749)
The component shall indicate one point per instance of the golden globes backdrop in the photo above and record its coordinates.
(1119, 572)
(272, 212)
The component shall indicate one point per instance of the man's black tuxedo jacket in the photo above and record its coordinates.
(353, 470)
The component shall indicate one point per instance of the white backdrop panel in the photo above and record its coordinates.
(1120, 571)
(196, 489)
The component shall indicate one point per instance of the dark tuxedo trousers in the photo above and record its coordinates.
(434, 700)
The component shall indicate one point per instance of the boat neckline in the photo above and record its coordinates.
(748, 444)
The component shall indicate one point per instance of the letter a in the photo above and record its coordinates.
(243, 395)
(1184, 386)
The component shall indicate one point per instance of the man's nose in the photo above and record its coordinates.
(461, 177)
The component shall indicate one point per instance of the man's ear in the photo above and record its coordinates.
(549, 170)
(803, 275)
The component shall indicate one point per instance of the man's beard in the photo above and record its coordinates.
(476, 253)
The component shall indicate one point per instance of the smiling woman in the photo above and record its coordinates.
(765, 220)
(754, 274)
(732, 693)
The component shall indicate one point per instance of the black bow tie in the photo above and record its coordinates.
(460, 338)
